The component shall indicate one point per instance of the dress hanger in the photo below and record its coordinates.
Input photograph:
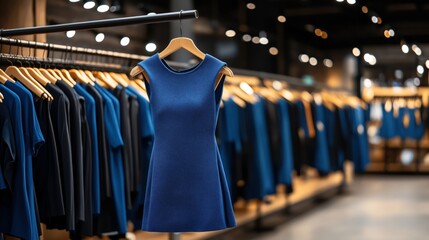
(62, 77)
(13, 71)
(1, 98)
(75, 74)
(118, 78)
(187, 44)
(110, 83)
(83, 74)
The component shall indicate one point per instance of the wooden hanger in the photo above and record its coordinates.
(90, 75)
(13, 71)
(1, 98)
(39, 78)
(67, 75)
(189, 45)
(119, 79)
(62, 77)
(110, 83)
(90, 80)
(48, 75)
(54, 74)
(3, 78)
(75, 74)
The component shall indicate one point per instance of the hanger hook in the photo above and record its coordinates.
(180, 21)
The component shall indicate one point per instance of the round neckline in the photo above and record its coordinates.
(185, 71)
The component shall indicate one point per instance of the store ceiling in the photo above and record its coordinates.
(346, 24)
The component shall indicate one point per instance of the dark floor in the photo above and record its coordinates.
(375, 208)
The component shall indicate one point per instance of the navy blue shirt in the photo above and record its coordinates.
(23, 223)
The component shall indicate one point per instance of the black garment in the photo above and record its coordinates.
(60, 111)
(46, 167)
(296, 140)
(77, 152)
(273, 126)
(127, 151)
(134, 123)
(85, 228)
(7, 153)
(106, 189)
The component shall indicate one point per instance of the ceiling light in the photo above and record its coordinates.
(281, 18)
(328, 63)
(263, 40)
(416, 50)
(351, 2)
(150, 47)
(340, 0)
(103, 6)
(356, 52)
(324, 35)
(379, 21)
(365, 9)
(73, 1)
(374, 19)
(391, 32)
(247, 38)
(273, 51)
(303, 58)
(405, 48)
(369, 58)
(313, 61)
(420, 69)
(318, 32)
(70, 33)
(255, 40)
(125, 41)
(230, 33)
(427, 64)
(89, 4)
(251, 6)
(386, 34)
(99, 37)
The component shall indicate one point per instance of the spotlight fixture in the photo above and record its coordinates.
(365, 9)
(255, 40)
(70, 33)
(416, 50)
(88, 4)
(263, 40)
(274, 51)
(427, 64)
(125, 41)
(251, 6)
(73, 1)
(247, 38)
(351, 2)
(150, 47)
(99, 37)
(405, 48)
(230, 33)
(356, 52)
(420, 69)
(281, 18)
(303, 58)
(313, 61)
(103, 6)
(328, 62)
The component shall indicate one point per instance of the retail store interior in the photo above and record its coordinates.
(319, 115)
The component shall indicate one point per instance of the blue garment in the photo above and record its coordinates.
(419, 129)
(186, 175)
(286, 160)
(7, 151)
(33, 140)
(388, 129)
(17, 216)
(321, 160)
(399, 122)
(92, 121)
(359, 143)
(114, 139)
(146, 133)
(260, 181)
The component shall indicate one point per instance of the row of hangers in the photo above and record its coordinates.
(36, 79)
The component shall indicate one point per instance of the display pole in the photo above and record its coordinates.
(174, 236)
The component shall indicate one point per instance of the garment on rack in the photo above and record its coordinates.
(186, 175)
(359, 139)
(20, 201)
(260, 177)
(388, 127)
(60, 111)
(115, 143)
(321, 155)
(285, 169)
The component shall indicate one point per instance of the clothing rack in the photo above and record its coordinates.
(144, 19)
(383, 94)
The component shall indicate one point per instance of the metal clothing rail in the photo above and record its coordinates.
(145, 19)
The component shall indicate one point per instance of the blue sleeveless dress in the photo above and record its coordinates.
(187, 190)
